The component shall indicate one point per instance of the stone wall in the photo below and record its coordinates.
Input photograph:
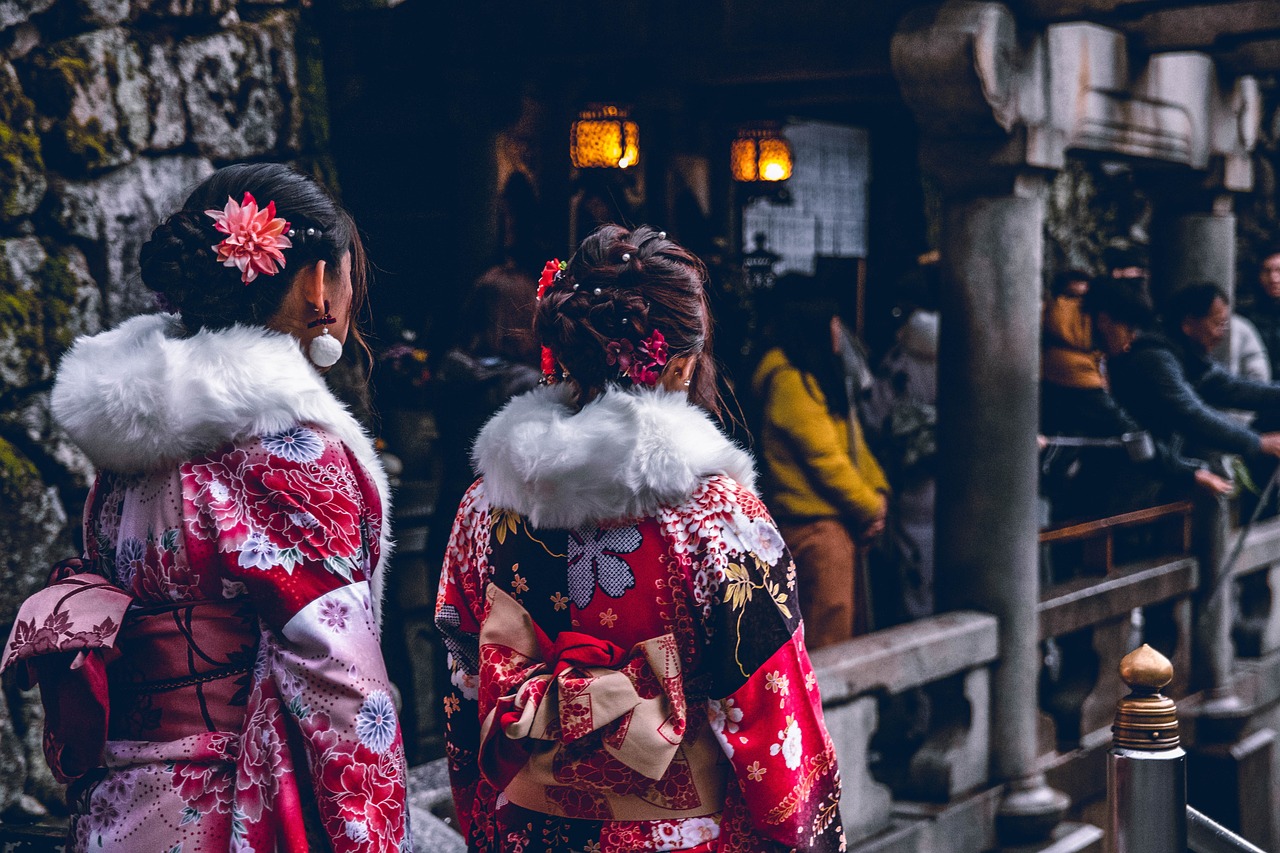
(110, 112)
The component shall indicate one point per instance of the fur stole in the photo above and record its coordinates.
(623, 455)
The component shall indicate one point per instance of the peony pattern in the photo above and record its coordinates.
(255, 560)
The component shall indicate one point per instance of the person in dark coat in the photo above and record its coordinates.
(1264, 310)
(1083, 482)
(1169, 383)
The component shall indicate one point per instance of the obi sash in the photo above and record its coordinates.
(581, 727)
(73, 633)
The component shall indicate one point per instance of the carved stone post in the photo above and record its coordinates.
(953, 63)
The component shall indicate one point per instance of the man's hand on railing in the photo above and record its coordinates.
(1211, 482)
(1270, 443)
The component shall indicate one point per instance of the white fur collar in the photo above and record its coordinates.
(142, 396)
(624, 455)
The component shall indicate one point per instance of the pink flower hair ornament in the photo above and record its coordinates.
(255, 237)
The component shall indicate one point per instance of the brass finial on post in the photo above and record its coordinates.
(1146, 768)
(1146, 719)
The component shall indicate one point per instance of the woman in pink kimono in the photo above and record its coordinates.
(628, 663)
(211, 669)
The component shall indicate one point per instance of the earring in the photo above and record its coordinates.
(324, 349)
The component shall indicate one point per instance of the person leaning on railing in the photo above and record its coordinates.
(1171, 385)
(1108, 480)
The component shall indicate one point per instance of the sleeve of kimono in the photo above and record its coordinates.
(293, 515)
(459, 611)
(764, 702)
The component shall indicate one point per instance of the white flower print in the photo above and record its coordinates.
(357, 831)
(296, 444)
(789, 744)
(304, 519)
(595, 559)
(335, 614)
(257, 552)
(698, 830)
(756, 536)
(724, 716)
(376, 722)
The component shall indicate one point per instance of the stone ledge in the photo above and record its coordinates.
(906, 656)
(1088, 601)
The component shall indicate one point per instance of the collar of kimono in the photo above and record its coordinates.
(623, 455)
(146, 395)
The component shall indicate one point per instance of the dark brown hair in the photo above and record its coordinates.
(179, 263)
(602, 297)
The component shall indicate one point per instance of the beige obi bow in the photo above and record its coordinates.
(561, 691)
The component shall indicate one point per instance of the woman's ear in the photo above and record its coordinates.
(678, 373)
(311, 282)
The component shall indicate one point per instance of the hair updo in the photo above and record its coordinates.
(622, 285)
(180, 263)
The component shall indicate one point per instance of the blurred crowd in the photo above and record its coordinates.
(1143, 401)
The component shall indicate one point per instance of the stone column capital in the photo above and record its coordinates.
(992, 100)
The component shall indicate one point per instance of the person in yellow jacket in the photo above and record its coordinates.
(823, 486)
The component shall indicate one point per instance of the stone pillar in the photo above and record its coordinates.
(987, 481)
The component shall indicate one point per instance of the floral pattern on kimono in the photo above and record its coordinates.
(250, 707)
(711, 574)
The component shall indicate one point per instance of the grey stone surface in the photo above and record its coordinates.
(186, 8)
(865, 804)
(102, 13)
(19, 11)
(75, 81)
(428, 792)
(239, 89)
(168, 110)
(906, 656)
(118, 212)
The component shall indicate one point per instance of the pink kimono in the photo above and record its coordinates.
(211, 669)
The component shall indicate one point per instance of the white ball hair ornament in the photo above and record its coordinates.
(324, 350)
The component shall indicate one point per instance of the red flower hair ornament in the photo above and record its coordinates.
(254, 240)
(551, 271)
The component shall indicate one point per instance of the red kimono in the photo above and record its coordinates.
(636, 680)
(211, 669)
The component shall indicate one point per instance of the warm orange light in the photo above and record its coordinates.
(760, 153)
(604, 137)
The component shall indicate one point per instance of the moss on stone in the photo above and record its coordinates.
(22, 322)
(21, 162)
(17, 473)
(58, 75)
(60, 290)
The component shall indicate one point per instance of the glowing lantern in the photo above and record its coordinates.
(760, 153)
(604, 137)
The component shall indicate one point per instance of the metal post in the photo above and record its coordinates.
(1146, 768)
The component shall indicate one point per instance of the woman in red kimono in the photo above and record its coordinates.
(211, 669)
(628, 661)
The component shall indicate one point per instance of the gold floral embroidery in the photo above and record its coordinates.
(608, 617)
(518, 583)
(502, 522)
(560, 601)
(818, 766)
(451, 704)
(755, 772)
(739, 592)
(778, 683)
